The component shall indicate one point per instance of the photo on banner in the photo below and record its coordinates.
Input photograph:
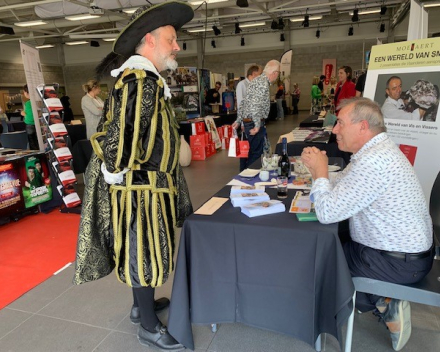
(403, 78)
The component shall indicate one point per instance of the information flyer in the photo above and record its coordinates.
(404, 78)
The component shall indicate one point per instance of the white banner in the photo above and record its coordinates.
(34, 77)
(411, 119)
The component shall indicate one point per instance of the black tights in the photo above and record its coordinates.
(144, 299)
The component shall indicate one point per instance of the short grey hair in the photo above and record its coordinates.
(141, 43)
(271, 66)
(365, 109)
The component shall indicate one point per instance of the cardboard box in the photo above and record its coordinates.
(198, 153)
(220, 132)
(198, 141)
(198, 127)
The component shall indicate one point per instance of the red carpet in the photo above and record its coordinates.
(33, 249)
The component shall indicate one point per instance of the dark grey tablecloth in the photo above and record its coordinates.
(296, 148)
(311, 121)
(272, 272)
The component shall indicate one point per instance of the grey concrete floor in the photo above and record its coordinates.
(57, 316)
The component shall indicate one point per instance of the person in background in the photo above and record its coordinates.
(279, 97)
(29, 121)
(296, 94)
(92, 106)
(67, 110)
(345, 88)
(360, 84)
(316, 95)
(390, 226)
(136, 192)
(212, 96)
(321, 83)
(252, 72)
(231, 86)
(255, 110)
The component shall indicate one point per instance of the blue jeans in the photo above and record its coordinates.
(280, 110)
(256, 144)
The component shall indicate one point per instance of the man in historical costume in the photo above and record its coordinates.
(135, 190)
(390, 226)
(254, 111)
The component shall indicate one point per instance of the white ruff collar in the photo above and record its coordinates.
(142, 63)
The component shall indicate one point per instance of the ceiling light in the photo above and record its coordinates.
(382, 28)
(213, 43)
(242, 3)
(282, 39)
(196, 3)
(432, 4)
(216, 30)
(109, 39)
(253, 24)
(44, 46)
(350, 31)
(203, 29)
(184, 46)
(280, 24)
(84, 16)
(77, 43)
(237, 28)
(130, 10)
(365, 12)
(274, 25)
(300, 19)
(30, 23)
(242, 41)
(355, 17)
(305, 23)
(318, 33)
(383, 10)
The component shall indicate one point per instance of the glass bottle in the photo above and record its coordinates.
(284, 162)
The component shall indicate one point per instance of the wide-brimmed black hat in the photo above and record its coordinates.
(149, 18)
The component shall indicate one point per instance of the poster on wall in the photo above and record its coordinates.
(11, 199)
(403, 78)
(286, 62)
(36, 186)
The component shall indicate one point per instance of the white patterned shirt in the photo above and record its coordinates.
(393, 109)
(256, 105)
(380, 193)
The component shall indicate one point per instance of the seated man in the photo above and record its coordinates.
(390, 227)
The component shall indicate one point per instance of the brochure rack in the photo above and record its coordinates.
(56, 139)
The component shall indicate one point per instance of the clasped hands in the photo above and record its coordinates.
(316, 161)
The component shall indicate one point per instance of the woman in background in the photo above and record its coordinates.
(295, 98)
(29, 121)
(92, 106)
(345, 88)
(316, 96)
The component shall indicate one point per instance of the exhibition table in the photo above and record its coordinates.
(311, 121)
(76, 133)
(81, 154)
(296, 148)
(271, 272)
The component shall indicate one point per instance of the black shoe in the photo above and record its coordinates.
(159, 305)
(160, 338)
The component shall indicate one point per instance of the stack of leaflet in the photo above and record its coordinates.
(248, 196)
(263, 208)
(254, 201)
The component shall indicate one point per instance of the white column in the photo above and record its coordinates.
(418, 21)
